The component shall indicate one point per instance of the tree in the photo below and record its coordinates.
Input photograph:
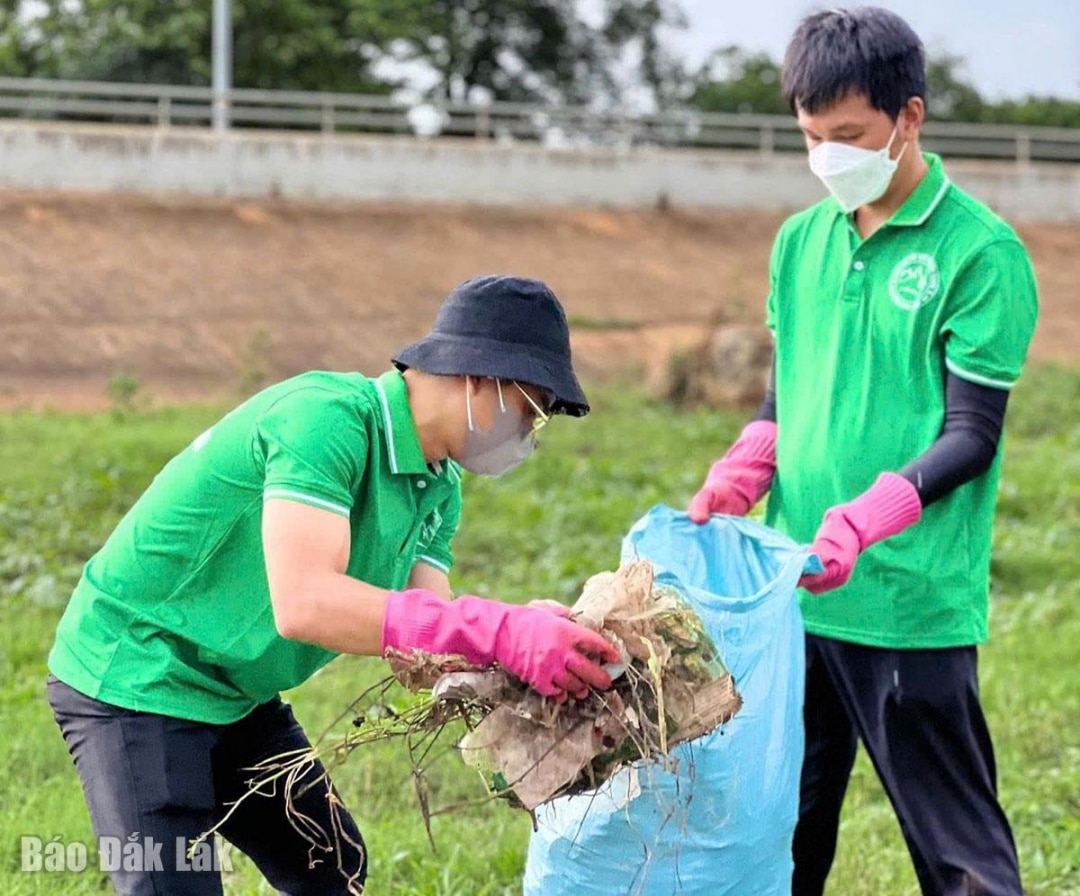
(284, 44)
(603, 53)
(634, 27)
(513, 50)
(537, 50)
(23, 45)
(951, 98)
(948, 96)
(737, 80)
(1040, 111)
(524, 50)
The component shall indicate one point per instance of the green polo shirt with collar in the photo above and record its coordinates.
(173, 614)
(865, 333)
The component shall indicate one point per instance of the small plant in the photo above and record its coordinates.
(584, 322)
(121, 390)
(682, 372)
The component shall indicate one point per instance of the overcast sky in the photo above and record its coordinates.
(1012, 47)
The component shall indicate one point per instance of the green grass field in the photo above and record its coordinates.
(65, 479)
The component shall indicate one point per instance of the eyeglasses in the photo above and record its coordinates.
(541, 419)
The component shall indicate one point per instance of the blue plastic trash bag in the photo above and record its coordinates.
(719, 818)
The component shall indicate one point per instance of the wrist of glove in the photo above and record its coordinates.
(741, 477)
(544, 649)
(885, 509)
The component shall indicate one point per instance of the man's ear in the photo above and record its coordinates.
(911, 118)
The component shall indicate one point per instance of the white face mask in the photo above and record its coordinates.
(855, 176)
(492, 452)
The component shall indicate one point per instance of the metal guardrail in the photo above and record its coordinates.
(565, 127)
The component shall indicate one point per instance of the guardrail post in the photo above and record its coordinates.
(327, 116)
(1023, 149)
(164, 111)
(768, 140)
(483, 123)
(221, 64)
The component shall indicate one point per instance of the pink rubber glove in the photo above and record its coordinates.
(738, 480)
(889, 506)
(540, 647)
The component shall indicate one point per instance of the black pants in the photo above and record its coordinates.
(918, 714)
(161, 782)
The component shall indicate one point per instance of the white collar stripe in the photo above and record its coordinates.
(389, 427)
(934, 202)
(976, 378)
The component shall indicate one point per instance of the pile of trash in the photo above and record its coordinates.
(671, 686)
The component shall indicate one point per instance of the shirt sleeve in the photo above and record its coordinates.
(312, 446)
(439, 552)
(990, 316)
(771, 303)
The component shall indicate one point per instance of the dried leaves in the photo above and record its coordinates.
(671, 687)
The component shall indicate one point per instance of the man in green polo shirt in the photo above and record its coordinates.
(315, 519)
(902, 310)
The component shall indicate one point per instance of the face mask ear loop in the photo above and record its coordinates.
(888, 146)
(498, 385)
(902, 151)
(468, 405)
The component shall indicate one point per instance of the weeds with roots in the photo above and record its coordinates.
(671, 686)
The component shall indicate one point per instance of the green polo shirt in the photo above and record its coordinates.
(865, 332)
(173, 614)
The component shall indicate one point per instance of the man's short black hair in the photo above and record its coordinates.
(865, 50)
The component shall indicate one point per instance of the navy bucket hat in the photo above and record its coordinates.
(512, 328)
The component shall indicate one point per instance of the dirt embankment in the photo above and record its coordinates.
(206, 298)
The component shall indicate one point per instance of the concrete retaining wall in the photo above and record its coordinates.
(51, 156)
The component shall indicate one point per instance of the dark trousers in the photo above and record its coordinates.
(918, 714)
(161, 782)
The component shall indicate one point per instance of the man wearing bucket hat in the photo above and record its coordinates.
(315, 519)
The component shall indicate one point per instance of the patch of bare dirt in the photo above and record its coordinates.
(206, 299)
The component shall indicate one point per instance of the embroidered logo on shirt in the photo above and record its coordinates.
(914, 281)
(429, 528)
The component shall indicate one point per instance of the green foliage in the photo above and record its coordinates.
(508, 49)
(952, 98)
(122, 389)
(277, 44)
(637, 24)
(18, 46)
(539, 532)
(65, 482)
(513, 50)
(736, 80)
(948, 96)
(1037, 111)
(522, 50)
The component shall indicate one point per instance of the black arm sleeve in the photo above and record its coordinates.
(767, 411)
(968, 441)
